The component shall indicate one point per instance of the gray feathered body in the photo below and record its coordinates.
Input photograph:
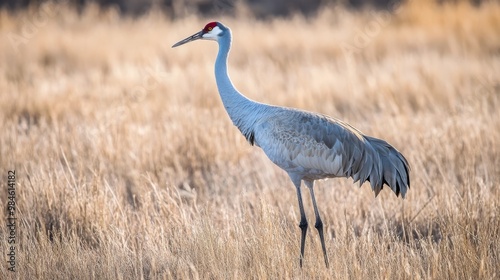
(313, 146)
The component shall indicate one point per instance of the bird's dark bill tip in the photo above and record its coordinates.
(179, 43)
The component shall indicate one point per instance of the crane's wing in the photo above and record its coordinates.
(316, 146)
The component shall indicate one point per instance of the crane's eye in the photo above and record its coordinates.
(210, 28)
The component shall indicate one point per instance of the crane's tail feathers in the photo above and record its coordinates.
(389, 167)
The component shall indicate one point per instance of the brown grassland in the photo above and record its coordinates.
(128, 167)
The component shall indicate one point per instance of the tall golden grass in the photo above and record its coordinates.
(129, 168)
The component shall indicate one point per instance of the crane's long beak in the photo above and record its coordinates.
(189, 39)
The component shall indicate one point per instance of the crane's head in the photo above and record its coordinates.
(211, 31)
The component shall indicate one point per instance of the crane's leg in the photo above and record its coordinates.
(319, 223)
(303, 219)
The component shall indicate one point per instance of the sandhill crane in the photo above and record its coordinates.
(308, 146)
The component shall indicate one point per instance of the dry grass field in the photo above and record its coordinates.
(128, 167)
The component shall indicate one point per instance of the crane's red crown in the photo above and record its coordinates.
(210, 26)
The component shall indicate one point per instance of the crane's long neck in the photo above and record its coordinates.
(242, 111)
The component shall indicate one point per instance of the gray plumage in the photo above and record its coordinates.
(308, 146)
(313, 146)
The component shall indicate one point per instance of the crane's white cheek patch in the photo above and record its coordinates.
(212, 35)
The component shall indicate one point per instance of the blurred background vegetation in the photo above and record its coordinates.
(256, 8)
